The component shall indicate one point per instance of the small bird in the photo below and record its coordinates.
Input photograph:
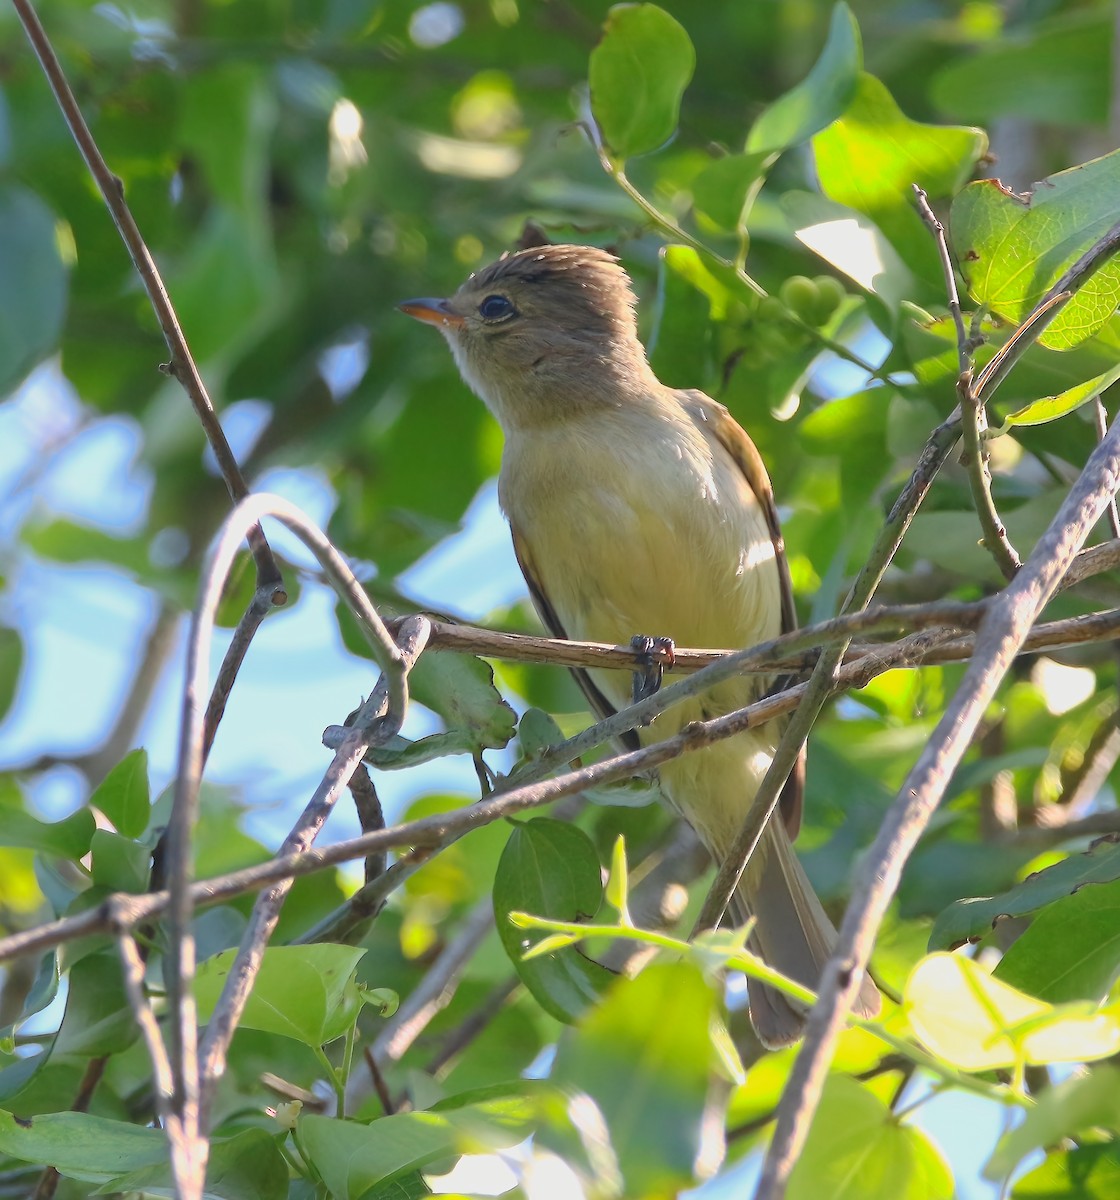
(638, 509)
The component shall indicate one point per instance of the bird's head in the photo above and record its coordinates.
(542, 330)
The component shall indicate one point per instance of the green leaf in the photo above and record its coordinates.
(537, 731)
(963, 1015)
(1050, 408)
(352, 1157)
(11, 663)
(1056, 72)
(857, 1150)
(550, 869)
(724, 187)
(617, 890)
(118, 863)
(98, 1018)
(33, 284)
(81, 1146)
(969, 920)
(460, 688)
(68, 838)
(302, 992)
(1013, 248)
(638, 73)
(644, 1057)
(821, 97)
(123, 794)
(870, 157)
(1067, 1108)
(680, 347)
(1071, 950)
(1088, 1173)
(247, 1166)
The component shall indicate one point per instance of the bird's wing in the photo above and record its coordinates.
(734, 439)
(600, 705)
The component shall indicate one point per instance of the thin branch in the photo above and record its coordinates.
(935, 227)
(182, 364)
(436, 990)
(1100, 414)
(999, 639)
(133, 973)
(427, 835)
(974, 425)
(375, 723)
(189, 1170)
(262, 603)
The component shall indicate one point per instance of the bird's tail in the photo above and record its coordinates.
(792, 934)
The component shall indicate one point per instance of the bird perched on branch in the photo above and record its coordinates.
(639, 509)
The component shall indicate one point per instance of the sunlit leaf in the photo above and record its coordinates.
(870, 158)
(1050, 408)
(977, 1023)
(638, 73)
(1012, 248)
(302, 992)
(856, 1150)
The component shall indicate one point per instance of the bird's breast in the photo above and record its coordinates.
(640, 524)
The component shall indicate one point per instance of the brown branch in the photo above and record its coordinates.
(190, 1154)
(1100, 416)
(375, 724)
(1000, 637)
(428, 835)
(182, 364)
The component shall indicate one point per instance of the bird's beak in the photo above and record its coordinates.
(433, 312)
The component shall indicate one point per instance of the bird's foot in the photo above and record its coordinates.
(652, 655)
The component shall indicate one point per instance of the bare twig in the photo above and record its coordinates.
(133, 972)
(935, 227)
(189, 1154)
(999, 639)
(1100, 414)
(974, 425)
(371, 816)
(262, 603)
(182, 364)
(430, 834)
(376, 722)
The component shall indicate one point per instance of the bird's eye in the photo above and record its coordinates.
(495, 308)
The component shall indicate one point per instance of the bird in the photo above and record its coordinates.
(640, 509)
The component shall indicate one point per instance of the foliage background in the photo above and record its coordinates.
(297, 168)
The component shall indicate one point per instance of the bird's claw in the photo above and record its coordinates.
(652, 655)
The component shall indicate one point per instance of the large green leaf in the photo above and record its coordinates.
(857, 1150)
(977, 1023)
(98, 1018)
(302, 992)
(870, 158)
(353, 1157)
(32, 283)
(821, 97)
(969, 920)
(638, 73)
(1012, 248)
(1071, 950)
(644, 1057)
(550, 869)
